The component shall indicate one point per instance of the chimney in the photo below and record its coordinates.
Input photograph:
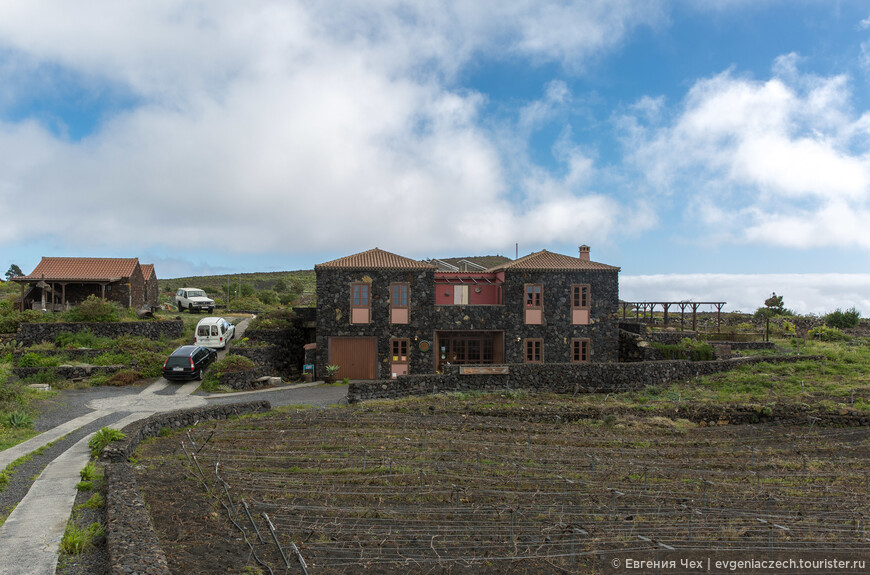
(584, 252)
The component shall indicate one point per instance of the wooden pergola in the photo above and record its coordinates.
(50, 285)
(650, 306)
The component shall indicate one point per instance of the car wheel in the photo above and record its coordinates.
(198, 375)
(210, 310)
(180, 308)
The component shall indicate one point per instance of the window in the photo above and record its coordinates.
(534, 311)
(580, 304)
(360, 295)
(580, 350)
(534, 351)
(400, 295)
(534, 294)
(399, 303)
(581, 296)
(400, 350)
(460, 295)
(359, 303)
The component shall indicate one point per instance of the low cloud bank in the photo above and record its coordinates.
(802, 293)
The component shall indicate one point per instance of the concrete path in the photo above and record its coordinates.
(34, 443)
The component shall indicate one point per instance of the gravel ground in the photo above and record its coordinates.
(96, 560)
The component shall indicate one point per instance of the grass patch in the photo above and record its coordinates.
(96, 501)
(78, 540)
(102, 438)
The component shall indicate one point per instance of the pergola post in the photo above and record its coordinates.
(695, 316)
(718, 316)
(665, 306)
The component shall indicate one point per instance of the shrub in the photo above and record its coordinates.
(76, 540)
(267, 297)
(96, 501)
(111, 358)
(12, 396)
(85, 338)
(231, 363)
(35, 360)
(824, 333)
(44, 376)
(18, 419)
(843, 319)
(93, 309)
(88, 472)
(10, 319)
(686, 349)
(279, 319)
(124, 377)
(102, 438)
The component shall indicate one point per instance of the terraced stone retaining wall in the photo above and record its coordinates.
(33, 333)
(132, 544)
(69, 371)
(73, 354)
(556, 377)
(246, 379)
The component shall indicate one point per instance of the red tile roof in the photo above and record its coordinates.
(148, 271)
(375, 259)
(549, 261)
(83, 269)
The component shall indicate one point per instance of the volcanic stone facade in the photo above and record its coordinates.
(426, 319)
(333, 314)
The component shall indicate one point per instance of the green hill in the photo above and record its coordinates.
(298, 285)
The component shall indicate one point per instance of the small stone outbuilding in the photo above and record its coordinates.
(58, 283)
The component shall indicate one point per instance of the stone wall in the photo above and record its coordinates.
(671, 337)
(69, 371)
(738, 345)
(73, 354)
(34, 333)
(633, 347)
(246, 379)
(151, 426)
(132, 544)
(284, 354)
(558, 378)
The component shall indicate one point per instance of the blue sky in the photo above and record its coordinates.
(715, 150)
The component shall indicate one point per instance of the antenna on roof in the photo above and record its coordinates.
(516, 257)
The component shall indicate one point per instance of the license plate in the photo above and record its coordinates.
(177, 369)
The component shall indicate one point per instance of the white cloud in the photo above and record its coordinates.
(802, 293)
(784, 161)
(298, 126)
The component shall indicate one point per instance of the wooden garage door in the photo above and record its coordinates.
(355, 356)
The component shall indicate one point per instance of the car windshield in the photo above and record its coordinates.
(196, 293)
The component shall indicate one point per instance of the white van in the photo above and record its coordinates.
(214, 332)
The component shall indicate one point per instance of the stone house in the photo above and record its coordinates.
(152, 289)
(380, 314)
(60, 282)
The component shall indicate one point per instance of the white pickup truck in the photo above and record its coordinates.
(193, 299)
